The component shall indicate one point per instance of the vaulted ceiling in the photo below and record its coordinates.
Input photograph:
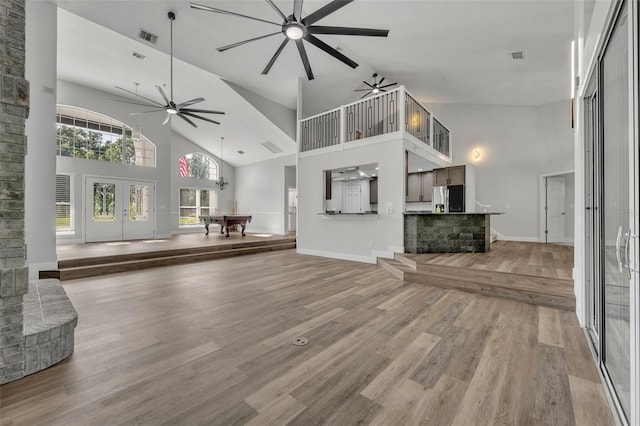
(451, 51)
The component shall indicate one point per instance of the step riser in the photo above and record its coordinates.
(106, 269)
(405, 260)
(391, 269)
(554, 301)
(76, 263)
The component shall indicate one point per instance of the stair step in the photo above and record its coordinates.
(405, 260)
(544, 291)
(98, 269)
(395, 268)
(154, 254)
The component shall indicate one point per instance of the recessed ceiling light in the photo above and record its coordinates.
(517, 55)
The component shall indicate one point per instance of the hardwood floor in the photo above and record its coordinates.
(210, 343)
(523, 258)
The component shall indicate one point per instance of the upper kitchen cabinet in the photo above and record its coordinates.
(449, 176)
(419, 187)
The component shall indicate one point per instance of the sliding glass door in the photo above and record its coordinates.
(615, 223)
(611, 197)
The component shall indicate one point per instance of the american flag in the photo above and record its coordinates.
(183, 166)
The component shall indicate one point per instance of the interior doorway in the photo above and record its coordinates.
(557, 208)
(117, 209)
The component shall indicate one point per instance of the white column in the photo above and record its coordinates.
(40, 161)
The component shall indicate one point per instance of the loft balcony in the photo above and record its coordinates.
(374, 119)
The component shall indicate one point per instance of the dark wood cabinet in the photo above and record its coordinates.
(427, 186)
(373, 191)
(419, 187)
(449, 176)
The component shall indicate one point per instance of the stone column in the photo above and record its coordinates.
(14, 108)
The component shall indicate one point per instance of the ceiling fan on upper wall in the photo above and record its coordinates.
(376, 87)
(296, 28)
(182, 109)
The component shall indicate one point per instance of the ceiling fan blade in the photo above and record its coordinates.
(138, 103)
(189, 102)
(348, 31)
(207, 111)
(362, 90)
(200, 117)
(297, 9)
(185, 118)
(163, 95)
(226, 12)
(381, 80)
(145, 112)
(139, 96)
(166, 119)
(330, 50)
(367, 84)
(324, 11)
(278, 11)
(305, 59)
(275, 56)
(240, 43)
(388, 85)
(366, 94)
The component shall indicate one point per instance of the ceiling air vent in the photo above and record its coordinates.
(271, 147)
(240, 152)
(147, 36)
(138, 56)
(517, 55)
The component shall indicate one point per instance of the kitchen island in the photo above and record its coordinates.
(426, 232)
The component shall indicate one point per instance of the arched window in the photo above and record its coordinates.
(87, 134)
(198, 165)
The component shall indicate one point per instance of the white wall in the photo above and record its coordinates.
(517, 145)
(261, 191)
(170, 146)
(181, 146)
(151, 124)
(353, 237)
(40, 164)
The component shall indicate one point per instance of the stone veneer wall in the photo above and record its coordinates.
(14, 108)
(446, 233)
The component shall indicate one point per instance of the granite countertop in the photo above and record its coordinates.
(448, 213)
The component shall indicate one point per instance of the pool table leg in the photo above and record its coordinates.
(243, 226)
(206, 227)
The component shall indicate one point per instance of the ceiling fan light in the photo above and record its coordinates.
(375, 91)
(294, 32)
(172, 111)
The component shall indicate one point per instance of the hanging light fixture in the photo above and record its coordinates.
(221, 183)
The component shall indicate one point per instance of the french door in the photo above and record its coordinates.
(117, 209)
(611, 213)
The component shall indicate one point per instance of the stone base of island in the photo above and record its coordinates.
(447, 232)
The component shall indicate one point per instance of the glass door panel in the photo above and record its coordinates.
(615, 215)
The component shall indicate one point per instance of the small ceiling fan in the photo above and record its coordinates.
(296, 28)
(183, 109)
(376, 87)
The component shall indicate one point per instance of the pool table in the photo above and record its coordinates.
(226, 222)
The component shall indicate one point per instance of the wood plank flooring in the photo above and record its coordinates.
(524, 258)
(210, 343)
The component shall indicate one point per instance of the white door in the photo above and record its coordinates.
(352, 198)
(117, 210)
(555, 210)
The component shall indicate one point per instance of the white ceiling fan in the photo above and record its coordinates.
(183, 109)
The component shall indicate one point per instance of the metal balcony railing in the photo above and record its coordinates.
(374, 116)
